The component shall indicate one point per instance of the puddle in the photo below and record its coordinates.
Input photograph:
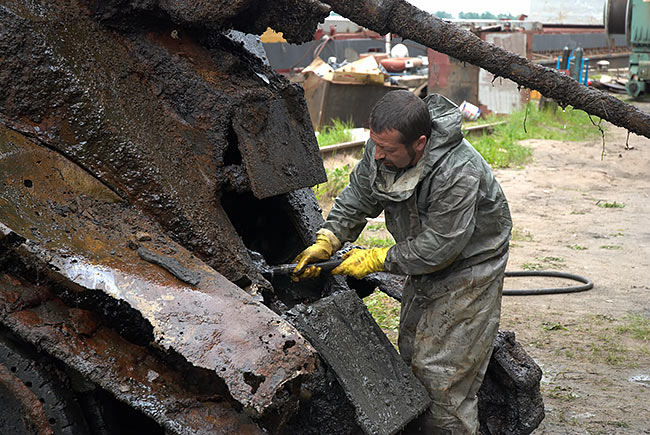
(641, 379)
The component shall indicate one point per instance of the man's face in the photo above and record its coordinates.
(391, 152)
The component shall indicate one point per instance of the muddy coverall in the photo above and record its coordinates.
(451, 224)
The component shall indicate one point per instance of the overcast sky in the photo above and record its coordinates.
(514, 7)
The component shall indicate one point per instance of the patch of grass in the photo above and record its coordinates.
(551, 259)
(636, 325)
(605, 204)
(500, 149)
(385, 310)
(375, 242)
(377, 226)
(532, 266)
(548, 326)
(608, 348)
(521, 235)
(337, 179)
(577, 247)
(553, 262)
(577, 212)
(611, 247)
(562, 393)
(615, 423)
(338, 132)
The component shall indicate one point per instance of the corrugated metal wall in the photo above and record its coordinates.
(501, 95)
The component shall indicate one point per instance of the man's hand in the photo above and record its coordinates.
(322, 250)
(360, 262)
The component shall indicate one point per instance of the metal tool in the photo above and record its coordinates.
(287, 269)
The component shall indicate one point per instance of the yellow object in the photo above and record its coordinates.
(363, 71)
(535, 95)
(360, 262)
(326, 244)
(271, 35)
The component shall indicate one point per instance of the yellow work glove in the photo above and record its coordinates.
(326, 244)
(360, 262)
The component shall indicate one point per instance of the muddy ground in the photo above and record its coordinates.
(578, 213)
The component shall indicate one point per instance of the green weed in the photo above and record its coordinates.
(519, 235)
(604, 204)
(338, 132)
(375, 242)
(547, 326)
(609, 349)
(337, 179)
(563, 393)
(385, 310)
(611, 247)
(377, 226)
(500, 148)
(636, 325)
(620, 424)
(577, 247)
(532, 266)
(551, 259)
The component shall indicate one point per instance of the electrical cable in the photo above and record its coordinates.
(587, 283)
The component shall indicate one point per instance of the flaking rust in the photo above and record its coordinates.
(80, 242)
(134, 374)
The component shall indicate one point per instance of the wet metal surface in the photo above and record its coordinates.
(181, 401)
(81, 236)
(382, 388)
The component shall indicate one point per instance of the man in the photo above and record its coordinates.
(451, 224)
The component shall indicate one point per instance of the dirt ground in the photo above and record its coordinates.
(576, 213)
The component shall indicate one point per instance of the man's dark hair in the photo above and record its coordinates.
(402, 111)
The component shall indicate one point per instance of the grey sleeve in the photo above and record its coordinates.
(355, 203)
(446, 230)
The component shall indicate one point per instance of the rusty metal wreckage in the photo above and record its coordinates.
(135, 135)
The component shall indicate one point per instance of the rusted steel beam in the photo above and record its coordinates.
(182, 401)
(78, 233)
(401, 17)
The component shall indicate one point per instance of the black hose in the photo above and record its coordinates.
(549, 291)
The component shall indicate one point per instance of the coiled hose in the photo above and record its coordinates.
(587, 284)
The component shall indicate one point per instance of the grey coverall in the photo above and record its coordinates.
(452, 225)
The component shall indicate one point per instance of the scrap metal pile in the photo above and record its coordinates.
(150, 165)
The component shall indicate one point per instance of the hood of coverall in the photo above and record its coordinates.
(399, 185)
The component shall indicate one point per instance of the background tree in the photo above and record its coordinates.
(469, 15)
(443, 14)
(488, 16)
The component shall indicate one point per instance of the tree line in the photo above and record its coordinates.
(474, 15)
